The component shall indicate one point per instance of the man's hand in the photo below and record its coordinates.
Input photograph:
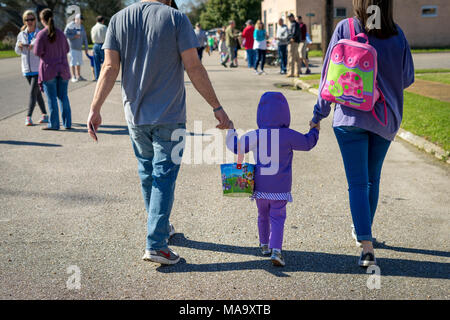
(314, 125)
(94, 120)
(222, 117)
(20, 45)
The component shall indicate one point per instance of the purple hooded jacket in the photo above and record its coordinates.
(273, 144)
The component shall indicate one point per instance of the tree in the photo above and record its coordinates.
(194, 9)
(218, 13)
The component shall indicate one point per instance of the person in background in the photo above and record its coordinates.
(282, 38)
(98, 34)
(294, 40)
(211, 43)
(223, 49)
(54, 73)
(231, 38)
(76, 34)
(303, 46)
(30, 65)
(202, 40)
(260, 46)
(248, 42)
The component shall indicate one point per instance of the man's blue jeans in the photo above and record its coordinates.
(158, 172)
(251, 58)
(363, 153)
(56, 89)
(282, 55)
(99, 58)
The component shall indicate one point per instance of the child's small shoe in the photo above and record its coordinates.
(277, 258)
(265, 251)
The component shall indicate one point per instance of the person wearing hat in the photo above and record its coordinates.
(76, 34)
(248, 42)
(293, 55)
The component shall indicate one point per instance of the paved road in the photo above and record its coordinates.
(67, 201)
(15, 100)
(14, 88)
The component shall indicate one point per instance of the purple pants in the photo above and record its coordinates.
(271, 218)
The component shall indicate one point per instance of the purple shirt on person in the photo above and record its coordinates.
(395, 73)
(53, 56)
(273, 145)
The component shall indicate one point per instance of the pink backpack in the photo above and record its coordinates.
(351, 75)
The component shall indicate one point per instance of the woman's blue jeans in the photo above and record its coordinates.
(363, 153)
(56, 89)
(158, 172)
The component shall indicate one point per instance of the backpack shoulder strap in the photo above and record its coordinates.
(351, 23)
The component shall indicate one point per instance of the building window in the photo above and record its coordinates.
(340, 12)
(271, 33)
(429, 11)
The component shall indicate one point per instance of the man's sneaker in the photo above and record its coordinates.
(44, 119)
(167, 256)
(277, 259)
(367, 260)
(28, 122)
(224, 64)
(74, 80)
(308, 71)
(172, 231)
(80, 78)
(265, 251)
(358, 244)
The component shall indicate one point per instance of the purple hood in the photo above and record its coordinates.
(273, 111)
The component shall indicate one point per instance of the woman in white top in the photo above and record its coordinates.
(30, 64)
(260, 45)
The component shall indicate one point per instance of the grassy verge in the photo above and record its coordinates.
(315, 54)
(430, 50)
(4, 54)
(421, 71)
(436, 77)
(429, 118)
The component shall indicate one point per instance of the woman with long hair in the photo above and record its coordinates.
(260, 45)
(54, 73)
(363, 140)
(30, 64)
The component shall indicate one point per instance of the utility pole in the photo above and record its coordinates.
(328, 25)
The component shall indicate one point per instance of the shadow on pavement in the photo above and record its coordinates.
(30, 144)
(65, 198)
(116, 130)
(302, 261)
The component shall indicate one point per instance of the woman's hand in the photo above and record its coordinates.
(20, 45)
(313, 125)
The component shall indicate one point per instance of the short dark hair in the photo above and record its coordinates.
(100, 19)
(299, 17)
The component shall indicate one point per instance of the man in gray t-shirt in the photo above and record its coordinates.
(154, 43)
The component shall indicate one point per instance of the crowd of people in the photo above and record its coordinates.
(290, 45)
(51, 57)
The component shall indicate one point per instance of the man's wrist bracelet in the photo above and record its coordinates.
(217, 109)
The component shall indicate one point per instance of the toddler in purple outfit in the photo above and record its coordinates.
(273, 146)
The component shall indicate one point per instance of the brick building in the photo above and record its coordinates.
(426, 23)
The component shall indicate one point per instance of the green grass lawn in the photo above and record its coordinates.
(430, 50)
(421, 71)
(4, 54)
(315, 54)
(436, 77)
(429, 118)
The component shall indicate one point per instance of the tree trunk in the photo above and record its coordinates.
(328, 25)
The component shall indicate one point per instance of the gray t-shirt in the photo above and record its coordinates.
(150, 38)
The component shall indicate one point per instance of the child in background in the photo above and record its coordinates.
(272, 145)
(223, 48)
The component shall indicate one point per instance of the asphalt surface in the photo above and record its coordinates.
(67, 201)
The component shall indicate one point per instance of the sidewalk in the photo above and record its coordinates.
(67, 201)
